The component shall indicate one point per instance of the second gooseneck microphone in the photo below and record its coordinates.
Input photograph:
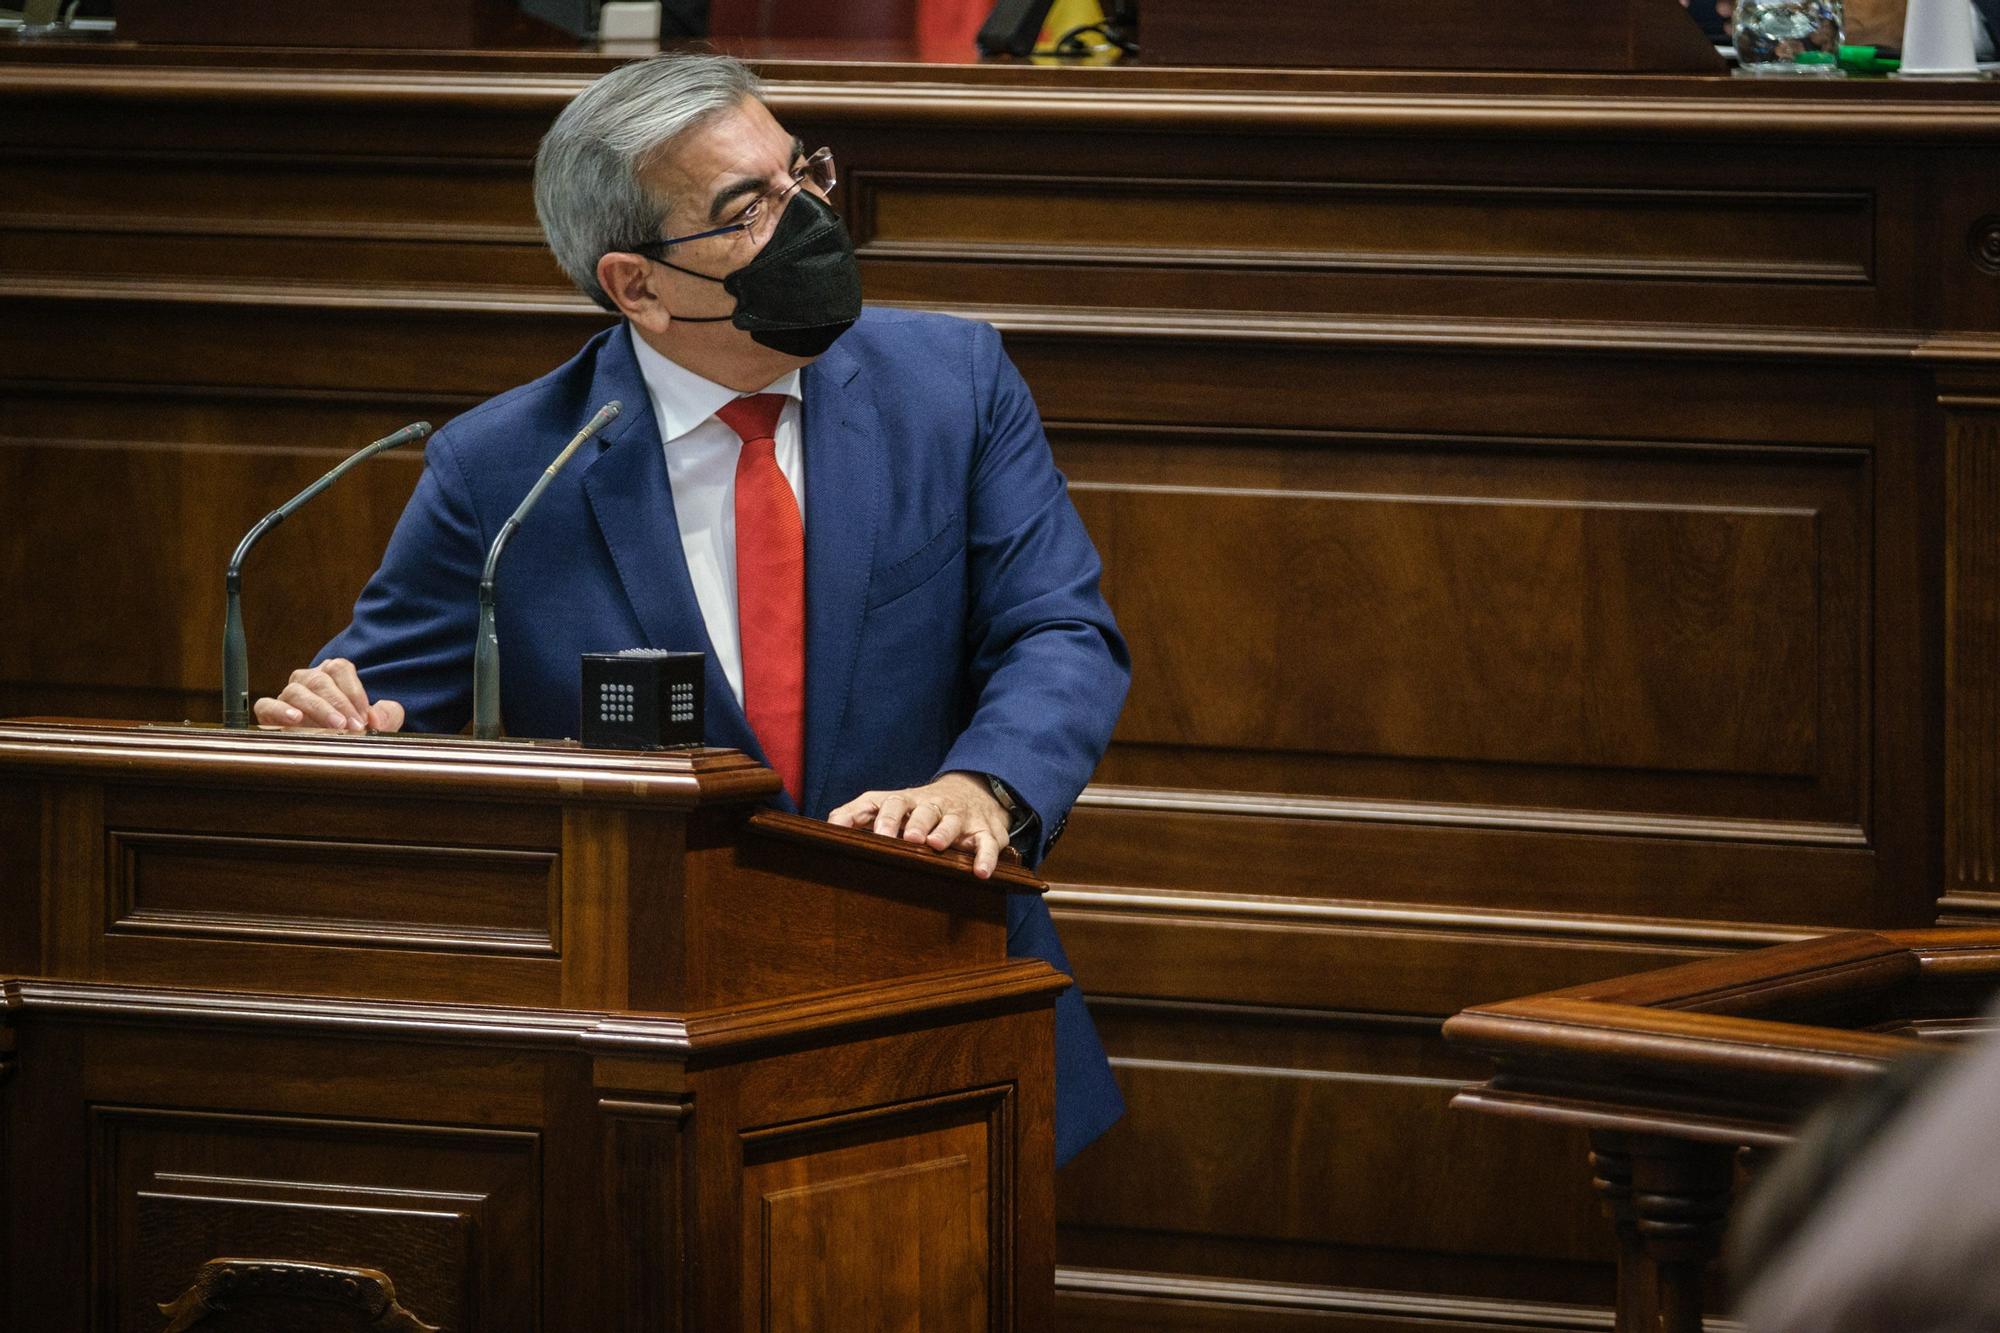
(235, 653)
(486, 649)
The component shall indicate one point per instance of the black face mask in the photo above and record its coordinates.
(802, 290)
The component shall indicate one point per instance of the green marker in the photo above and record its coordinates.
(1869, 59)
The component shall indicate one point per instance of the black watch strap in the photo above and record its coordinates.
(1019, 817)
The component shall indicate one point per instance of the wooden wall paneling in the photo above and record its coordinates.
(386, 340)
(421, 221)
(358, 113)
(825, 1167)
(73, 852)
(647, 1150)
(1375, 227)
(39, 1111)
(808, 1204)
(1972, 664)
(1383, 1203)
(21, 879)
(142, 502)
(134, 496)
(1960, 236)
(1906, 712)
(1304, 956)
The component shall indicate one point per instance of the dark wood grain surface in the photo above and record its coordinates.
(303, 1046)
(1673, 1071)
(1552, 516)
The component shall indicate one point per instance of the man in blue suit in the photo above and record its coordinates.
(853, 513)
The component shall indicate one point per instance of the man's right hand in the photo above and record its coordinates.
(329, 695)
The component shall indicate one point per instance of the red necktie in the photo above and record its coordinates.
(770, 589)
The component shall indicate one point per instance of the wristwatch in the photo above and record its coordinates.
(1019, 816)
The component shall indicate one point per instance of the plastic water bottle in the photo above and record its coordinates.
(1789, 36)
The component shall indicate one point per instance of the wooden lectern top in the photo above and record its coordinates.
(423, 868)
(403, 762)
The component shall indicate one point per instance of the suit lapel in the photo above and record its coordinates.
(845, 476)
(626, 486)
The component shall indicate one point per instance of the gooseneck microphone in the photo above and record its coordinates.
(235, 655)
(486, 650)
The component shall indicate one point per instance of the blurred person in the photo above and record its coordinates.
(1884, 1216)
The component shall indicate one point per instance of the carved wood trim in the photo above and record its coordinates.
(866, 187)
(1437, 814)
(388, 764)
(1283, 1300)
(1540, 925)
(1972, 664)
(387, 400)
(932, 998)
(437, 233)
(645, 1110)
(318, 930)
(209, 292)
(129, 916)
(1090, 324)
(1430, 263)
(1341, 103)
(329, 1016)
(224, 1284)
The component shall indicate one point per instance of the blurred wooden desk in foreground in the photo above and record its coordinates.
(1673, 1071)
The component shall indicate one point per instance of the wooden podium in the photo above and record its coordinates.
(325, 1033)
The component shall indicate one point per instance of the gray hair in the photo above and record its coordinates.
(588, 194)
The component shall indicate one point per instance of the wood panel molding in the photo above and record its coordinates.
(526, 768)
(1097, 325)
(479, 1025)
(1168, 800)
(1099, 1298)
(1274, 909)
(1972, 663)
(220, 294)
(996, 217)
(169, 884)
(1549, 106)
(1024, 985)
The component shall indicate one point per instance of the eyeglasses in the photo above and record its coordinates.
(816, 171)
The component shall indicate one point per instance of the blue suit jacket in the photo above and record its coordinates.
(953, 619)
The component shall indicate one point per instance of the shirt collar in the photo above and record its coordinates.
(683, 400)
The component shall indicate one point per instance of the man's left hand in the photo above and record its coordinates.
(955, 810)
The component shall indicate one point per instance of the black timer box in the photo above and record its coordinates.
(642, 699)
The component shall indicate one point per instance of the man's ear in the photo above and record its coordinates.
(633, 284)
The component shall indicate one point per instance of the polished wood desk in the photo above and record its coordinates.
(1673, 1072)
(304, 1031)
(1552, 517)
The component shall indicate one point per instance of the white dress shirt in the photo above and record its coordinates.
(701, 469)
